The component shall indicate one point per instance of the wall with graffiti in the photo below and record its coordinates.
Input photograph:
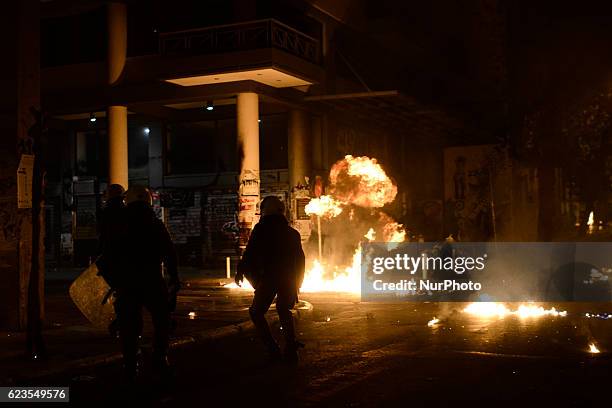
(477, 192)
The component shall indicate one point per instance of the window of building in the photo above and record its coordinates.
(273, 142)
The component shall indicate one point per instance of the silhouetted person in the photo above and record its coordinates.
(142, 284)
(112, 230)
(273, 262)
(111, 234)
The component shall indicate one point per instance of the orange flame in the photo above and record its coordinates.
(361, 181)
(499, 310)
(370, 235)
(324, 206)
(358, 181)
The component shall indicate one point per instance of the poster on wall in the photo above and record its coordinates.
(86, 221)
(247, 218)
(221, 224)
(25, 173)
(477, 193)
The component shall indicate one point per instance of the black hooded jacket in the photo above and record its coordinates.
(148, 244)
(274, 254)
(112, 227)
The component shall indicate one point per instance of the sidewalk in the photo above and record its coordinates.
(205, 311)
(185, 273)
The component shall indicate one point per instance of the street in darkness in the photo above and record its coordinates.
(306, 203)
(373, 354)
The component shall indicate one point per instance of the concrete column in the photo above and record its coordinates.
(116, 21)
(300, 147)
(247, 120)
(117, 145)
(300, 167)
(117, 115)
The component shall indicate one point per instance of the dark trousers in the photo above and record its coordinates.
(286, 297)
(129, 306)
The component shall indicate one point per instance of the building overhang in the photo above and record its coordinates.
(272, 76)
(165, 80)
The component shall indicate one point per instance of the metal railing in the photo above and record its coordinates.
(250, 35)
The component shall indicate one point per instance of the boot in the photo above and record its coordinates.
(291, 352)
(162, 368)
(263, 330)
(291, 345)
(130, 371)
(274, 353)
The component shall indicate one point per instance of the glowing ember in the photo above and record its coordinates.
(493, 309)
(433, 322)
(487, 309)
(324, 206)
(591, 222)
(361, 181)
(371, 235)
(537, 311)
(593, 349)
(245, 285)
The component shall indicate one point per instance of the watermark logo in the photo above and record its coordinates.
(485, 271)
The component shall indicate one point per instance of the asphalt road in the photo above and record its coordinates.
(377, 354)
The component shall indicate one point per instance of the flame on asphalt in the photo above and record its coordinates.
(593, 349)
(500, 310)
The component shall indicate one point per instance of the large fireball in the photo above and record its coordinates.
(361, 181)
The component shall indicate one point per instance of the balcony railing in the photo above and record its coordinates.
(239, 37)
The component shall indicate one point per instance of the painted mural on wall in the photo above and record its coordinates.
(476, 192)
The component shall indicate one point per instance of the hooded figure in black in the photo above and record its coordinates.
(273, 262)
(142, 283)
(111, 234)
(112, 229)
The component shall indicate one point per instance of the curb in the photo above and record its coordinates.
(104, 359)
(201, 337)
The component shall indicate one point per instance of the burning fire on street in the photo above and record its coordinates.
(350, 213)
(500, 310)
(358, 185)
(593, 349)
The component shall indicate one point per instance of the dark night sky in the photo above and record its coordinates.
(448, 51)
